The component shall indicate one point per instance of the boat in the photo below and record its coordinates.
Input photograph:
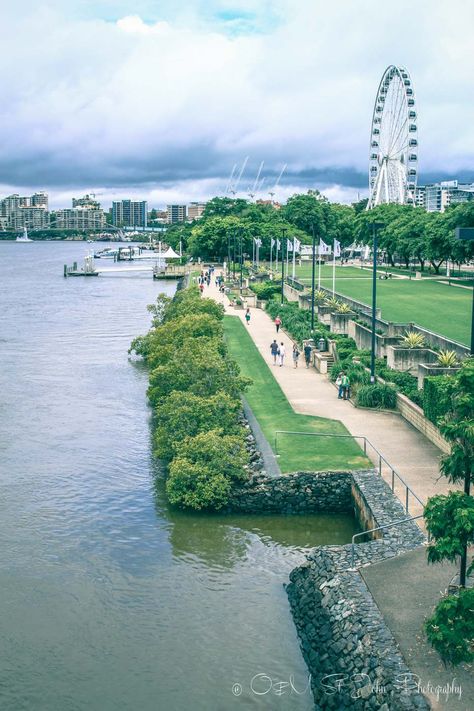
(24, 236)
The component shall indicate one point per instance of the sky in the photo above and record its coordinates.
(158, 100)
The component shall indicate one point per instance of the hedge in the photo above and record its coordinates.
(437, 396)
(378, 395)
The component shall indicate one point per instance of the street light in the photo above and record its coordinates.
(241, 260)
(376, 226)
(467, 234)
(283, 233)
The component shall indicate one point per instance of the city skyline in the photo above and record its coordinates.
(160, 106)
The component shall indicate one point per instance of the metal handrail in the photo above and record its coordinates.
(379, 528)
(381, 458)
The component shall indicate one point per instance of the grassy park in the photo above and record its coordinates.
(273, 412)
(431, 304)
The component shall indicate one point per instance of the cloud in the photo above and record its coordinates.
(166, 103)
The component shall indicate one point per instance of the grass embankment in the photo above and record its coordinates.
(438, 307)
(273, 412)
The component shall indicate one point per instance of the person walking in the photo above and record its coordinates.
(339, 385)
(345, 386)
(307, 350)
(274, 351)
(296, 355)
(201, 288)
(281, 353)
(277, 323)
(247, 316)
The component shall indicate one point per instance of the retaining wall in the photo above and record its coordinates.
(414, 415)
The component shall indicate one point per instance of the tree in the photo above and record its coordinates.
(450, 518)
(450, 629)
(306, 211)
(184, 414)
(224, 206)
(201, 475)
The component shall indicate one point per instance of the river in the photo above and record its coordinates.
(109, 600)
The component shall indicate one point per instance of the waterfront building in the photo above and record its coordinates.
(195, 210)
(129, 213)
(88, 201)
(24, 211)
(436, 197)
(79, 218)
(176, 213)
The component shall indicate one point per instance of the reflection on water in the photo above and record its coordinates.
(110, 600)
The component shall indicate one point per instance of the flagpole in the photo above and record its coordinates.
(287, 259)
(312, 280)
(319, 266)
(333, 267)
(271, 251)
(294, 257)
(276, 254)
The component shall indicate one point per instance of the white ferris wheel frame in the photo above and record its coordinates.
(393, 149)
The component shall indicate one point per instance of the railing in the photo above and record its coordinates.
(379, 528)
(380, 461)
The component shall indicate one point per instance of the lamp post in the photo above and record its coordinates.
(241, 261)
(313, 271)
(467, 234)
(283, 234)
(233, 261)
(375, 228)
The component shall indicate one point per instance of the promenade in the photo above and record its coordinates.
(413, 456)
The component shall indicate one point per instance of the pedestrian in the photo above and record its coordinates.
(307, 353)
(281, 353)
(247, 316)
(278, 323)
(274, 351)
(296, 355)
(339, 385)
(201, 287)
(346, 385)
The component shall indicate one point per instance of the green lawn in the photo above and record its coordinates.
(274, 412)
(438, 307)
(304, 272)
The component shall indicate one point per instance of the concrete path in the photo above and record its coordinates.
(414, 457)
(406, 589)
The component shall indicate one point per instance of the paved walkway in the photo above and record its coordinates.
(406, 589)
(310, 393)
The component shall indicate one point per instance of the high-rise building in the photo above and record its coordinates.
(195, 210)
(21, 211)
(176, 213)
(79, 218)
(88, 201)
(436, 197)
(129, 213)
(40, 200)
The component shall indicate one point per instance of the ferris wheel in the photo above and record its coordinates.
(393, 156)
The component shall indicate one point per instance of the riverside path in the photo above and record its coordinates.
(409, 452)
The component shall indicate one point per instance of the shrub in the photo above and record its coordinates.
(267, 289)
(437, 393)
(450, 629)
(447, 359)
(333, 303)
(320, 296)
(296, 321)
(378, 396)
(201, 475)
(412, 339)
(344, 309)
(183, 414)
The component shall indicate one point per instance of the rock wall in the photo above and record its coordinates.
(353, 659)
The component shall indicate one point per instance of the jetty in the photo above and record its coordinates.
(159, 270)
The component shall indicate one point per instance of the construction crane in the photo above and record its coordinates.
(252, 190)
(233, 187)
(272, 192)
(229, 184)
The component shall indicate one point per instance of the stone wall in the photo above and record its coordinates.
(363, 337)
(302, 492)
(352, 656)
(404, 359)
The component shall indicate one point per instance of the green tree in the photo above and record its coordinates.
(450, 629)
(201, 475)
(224, 206)
(184, 414)
(306, 211)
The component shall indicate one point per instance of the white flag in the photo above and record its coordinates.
(296, 244)
(337, 248)
(272, 243)
(278, 244)
(367, 252)
(258, 242)
(324, 248)
(289, 245)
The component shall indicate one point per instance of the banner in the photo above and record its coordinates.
(296, 244)
(324, 248)
(337, 248)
